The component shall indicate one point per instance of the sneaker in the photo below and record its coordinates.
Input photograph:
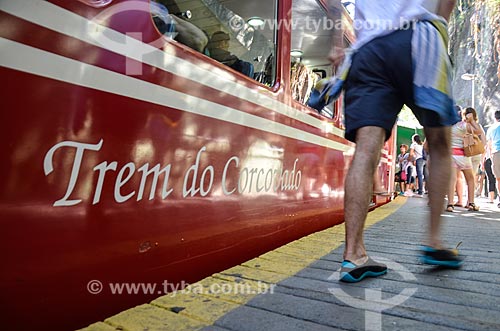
(351, 273)
(408, 194)
(441, 257)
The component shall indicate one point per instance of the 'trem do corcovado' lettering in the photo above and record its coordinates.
(196, 181)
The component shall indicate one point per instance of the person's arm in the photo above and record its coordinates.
(476, 128)
(335, 10)
(482, 134)
(445, 8)
(411, 155)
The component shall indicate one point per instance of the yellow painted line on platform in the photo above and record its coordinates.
(380, 213)
(202, 303)
(100, 326)
(150, 317)
(197, 306)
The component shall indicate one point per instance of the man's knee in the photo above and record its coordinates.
(369, 137)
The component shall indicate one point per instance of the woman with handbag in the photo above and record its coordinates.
(477, 159)
(462, 162)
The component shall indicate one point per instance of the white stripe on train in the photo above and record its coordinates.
(42, 63)
(65, 22)
(60, 20)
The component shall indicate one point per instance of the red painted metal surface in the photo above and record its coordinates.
(76, 205)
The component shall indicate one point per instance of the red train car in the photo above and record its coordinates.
(145, 142)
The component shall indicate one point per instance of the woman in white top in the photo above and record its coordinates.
(417, 154)
(476, 159)
(462, 162)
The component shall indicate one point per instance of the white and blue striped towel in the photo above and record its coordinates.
(432, 70)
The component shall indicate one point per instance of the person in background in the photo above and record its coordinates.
(477, 159)
(426, 163)
(385, 72)
(461, 162)
(218, 48)
(493, 138)
(490, 177)
(417, 154)
(402, 161)
(409, 169)
(459, 180)
(459, 190)
(480, 177)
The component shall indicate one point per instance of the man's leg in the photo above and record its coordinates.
(439, 182)
(439, 178)
(358, 190)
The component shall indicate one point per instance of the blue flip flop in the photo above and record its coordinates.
(351, 273)
(441, 257)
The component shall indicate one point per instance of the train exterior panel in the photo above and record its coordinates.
(130, 158)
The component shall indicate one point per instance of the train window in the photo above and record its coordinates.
(311, 33)
(239, 34)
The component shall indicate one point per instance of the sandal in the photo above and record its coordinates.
(351, 273)
(472, 207)
(448, 258)
(450, 208)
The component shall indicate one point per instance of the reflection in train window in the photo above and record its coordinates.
(311, 33)
(239, 34)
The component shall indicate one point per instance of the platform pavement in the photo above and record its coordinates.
(307, 295)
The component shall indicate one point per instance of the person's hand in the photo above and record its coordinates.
(336, 56)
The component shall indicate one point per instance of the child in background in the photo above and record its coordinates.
(402, 161)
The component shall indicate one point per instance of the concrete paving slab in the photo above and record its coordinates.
(306, 293)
